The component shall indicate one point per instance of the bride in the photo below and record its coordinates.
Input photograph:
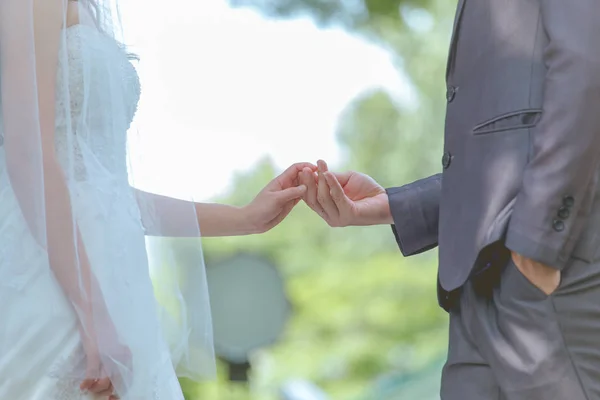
(80, 316)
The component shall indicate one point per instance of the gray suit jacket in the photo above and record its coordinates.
(522, 140)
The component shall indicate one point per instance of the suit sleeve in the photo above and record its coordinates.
(554, 200)
(415, 210)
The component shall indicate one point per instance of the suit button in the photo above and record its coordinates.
(446, 160)
(450, 93)
(563, 212)
(558, 225)
(568, 201)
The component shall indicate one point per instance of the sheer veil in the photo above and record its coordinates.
(67, 99)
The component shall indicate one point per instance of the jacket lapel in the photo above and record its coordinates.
(454, 38)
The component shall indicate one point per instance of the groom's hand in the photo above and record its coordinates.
(544, 277)
(345, 199)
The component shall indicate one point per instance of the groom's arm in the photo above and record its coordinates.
(415, 210)
(553, 204)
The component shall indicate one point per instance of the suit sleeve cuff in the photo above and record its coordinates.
(524, 245)
(415, 211)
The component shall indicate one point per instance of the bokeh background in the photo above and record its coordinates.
(244, 88)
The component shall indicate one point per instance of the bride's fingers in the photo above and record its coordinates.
(308, 179)
(86, 384)
(106, 393)
(101, 385)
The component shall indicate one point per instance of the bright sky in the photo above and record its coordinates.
(222, 88)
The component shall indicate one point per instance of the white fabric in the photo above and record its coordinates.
(141, 343)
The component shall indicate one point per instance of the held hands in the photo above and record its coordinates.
(345, 199)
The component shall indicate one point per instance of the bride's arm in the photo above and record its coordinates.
(166, 216)
(25, 115)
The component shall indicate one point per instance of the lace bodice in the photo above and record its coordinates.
(96, 105)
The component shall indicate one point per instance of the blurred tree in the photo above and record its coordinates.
(370, 15)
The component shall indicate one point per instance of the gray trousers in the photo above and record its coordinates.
(517, 343)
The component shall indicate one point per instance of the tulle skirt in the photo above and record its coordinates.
(41, 356)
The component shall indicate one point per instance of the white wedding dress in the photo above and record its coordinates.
(42, 349)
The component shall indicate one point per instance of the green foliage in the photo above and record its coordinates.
(356, 15)
(365, 320)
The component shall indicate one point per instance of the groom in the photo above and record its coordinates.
(516, 210)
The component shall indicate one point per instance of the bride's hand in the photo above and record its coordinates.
(93, 384)
(277, 199)
(98, 378)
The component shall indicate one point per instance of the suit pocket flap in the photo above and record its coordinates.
(510, 121)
